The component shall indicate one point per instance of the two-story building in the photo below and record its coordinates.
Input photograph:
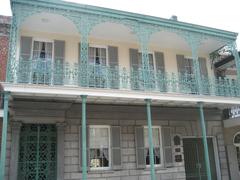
(96, 93)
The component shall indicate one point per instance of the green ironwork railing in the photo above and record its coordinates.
(46, 72)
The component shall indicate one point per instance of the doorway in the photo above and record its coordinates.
(37, 152)
(195, 167)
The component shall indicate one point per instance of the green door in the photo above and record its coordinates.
(37, 152)
(194, 159)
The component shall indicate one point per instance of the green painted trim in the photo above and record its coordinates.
(84, 140)
(150, 140)
(4, 137)
(130, 16)
(205, 144)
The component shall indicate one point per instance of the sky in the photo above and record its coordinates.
(212, 13)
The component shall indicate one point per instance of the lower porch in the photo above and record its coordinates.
(125, 155)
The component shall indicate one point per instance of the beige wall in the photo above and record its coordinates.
(71, 48)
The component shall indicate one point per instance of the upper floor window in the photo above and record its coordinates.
(156, 133)
(42, 50)
(98, 55)
(99, 147)
(156, 60)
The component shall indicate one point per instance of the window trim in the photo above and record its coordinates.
(110, 153)
(160, 146)
(100, 46)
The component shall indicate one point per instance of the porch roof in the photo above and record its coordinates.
(108, 96)
(129, 16)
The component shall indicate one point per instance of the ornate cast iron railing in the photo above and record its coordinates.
(45, 72)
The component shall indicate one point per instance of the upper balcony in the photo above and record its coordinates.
(65, 44)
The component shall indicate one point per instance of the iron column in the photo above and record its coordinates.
(205, 144)
(4, 136)
(150, 140)
(84, 144)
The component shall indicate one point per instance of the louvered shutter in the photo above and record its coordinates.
(203, 66)
(116, 147)
(59, 56)
(134, 64)
(80, 147)
(113, 70)
(134, 59)
(26, 48)
(140, 150)
(112, 56)
(159, 58)
(181, 64)
(59, 50)
(79, 55)
(167, 146)
(160, 69)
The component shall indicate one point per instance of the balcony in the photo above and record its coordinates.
(45, 73)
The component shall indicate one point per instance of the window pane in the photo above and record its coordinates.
(103, 52)
(156, 140)
(156, 145)
(99, 147)
(36, 45)
(150, 56)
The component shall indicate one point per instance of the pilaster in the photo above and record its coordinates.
(13, 170)
(60, 150)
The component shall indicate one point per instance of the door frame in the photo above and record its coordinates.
(215, 151)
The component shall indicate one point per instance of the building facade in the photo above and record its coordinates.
(96, 93)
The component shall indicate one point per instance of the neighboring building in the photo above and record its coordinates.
(5, 22)
(96, 93)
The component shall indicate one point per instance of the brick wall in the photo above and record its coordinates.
(4, 40)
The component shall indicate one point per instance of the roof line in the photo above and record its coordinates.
(131, 16)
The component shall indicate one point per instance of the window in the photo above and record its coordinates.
(156, 131)
(42, 50)
(150, 57)
(42, 56)
(98, 56)
(236, 142)
(99, 144)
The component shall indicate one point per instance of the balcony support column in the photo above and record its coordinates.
(150, 139)
(145, 69)
(196, 66)
(204, 138)
(83, 66)
(237, 62)
(84, 139)
(4, 136)
(12, 64)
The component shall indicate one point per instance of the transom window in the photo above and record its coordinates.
(99, 144)
(42, 50)
(236, 142)
(156, 132)
(98, 55)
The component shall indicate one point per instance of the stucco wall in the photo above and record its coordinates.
(71, 52)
